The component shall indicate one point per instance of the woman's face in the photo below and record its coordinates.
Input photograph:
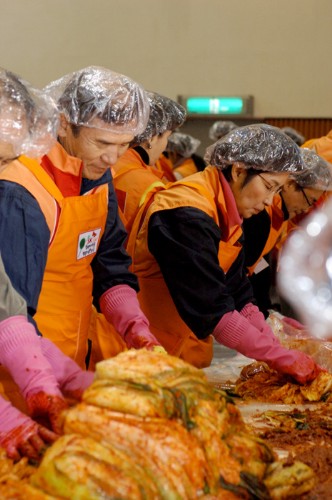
(297, 200)
(253, 196)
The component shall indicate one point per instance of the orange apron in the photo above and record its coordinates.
(186, 168)
(164, 165)
(204, 192)
(322, 146)
(131, 178)
(65, 302)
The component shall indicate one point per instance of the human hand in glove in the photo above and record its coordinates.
(256, 318)
(236, 332)
(20, 436)
(297, 364)
(120, 306)
(21, 354)
(71, 378)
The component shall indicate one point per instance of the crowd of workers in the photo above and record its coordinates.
(115, 234)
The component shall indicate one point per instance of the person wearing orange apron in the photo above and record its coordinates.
(141, 166)
(268, 230)
(180, 150)
(69, 263)
(187, 252)
(35, 376)
(132, 176)
(220, 128)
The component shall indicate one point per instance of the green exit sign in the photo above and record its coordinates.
(218, 105)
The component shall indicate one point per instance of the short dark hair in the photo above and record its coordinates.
(251, 173)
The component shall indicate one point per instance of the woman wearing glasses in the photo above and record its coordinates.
(186, 245)
(269, 229)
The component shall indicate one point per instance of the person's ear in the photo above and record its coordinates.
(238, 172)
(63, 126)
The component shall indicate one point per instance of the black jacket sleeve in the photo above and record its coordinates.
(185, 243)
(239, 284)
(256, 231)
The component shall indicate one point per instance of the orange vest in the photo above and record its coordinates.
(322, 146)
(76, 224)
(164, 165)
(277, 226)
(186, 168)
(203, 191)
(131, 178)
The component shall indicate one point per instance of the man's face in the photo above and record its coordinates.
(98, 149)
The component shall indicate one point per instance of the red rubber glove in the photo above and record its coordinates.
(71, 378)
(120, 306)
(235, 331)
(21, 354)
(20, 436)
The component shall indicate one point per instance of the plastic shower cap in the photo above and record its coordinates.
(165, 114)
(29, 119)
(305, 272)
(258, 146)
(294, 134)
(317, 173)
(220, 128)
(183, 144)
(100, 98)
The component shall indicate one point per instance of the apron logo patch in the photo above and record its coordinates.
(87, 243)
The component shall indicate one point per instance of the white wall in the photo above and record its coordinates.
(277, 50)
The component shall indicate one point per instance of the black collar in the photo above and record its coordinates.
(143, 154)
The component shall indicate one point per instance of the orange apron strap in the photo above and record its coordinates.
(201, 189)
(139, 219)
(43, 177)
(148, 190)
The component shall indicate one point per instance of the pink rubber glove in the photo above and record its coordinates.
(235, 331)
(254, 316)
(20, 436)
(71, 378)
(120, 306)
(293, 323)
(21, 354)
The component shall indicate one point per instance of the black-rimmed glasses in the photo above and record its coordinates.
(309, 203)
(271, 189)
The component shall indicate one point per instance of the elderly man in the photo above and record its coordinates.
(35, 375)
(70, 252)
